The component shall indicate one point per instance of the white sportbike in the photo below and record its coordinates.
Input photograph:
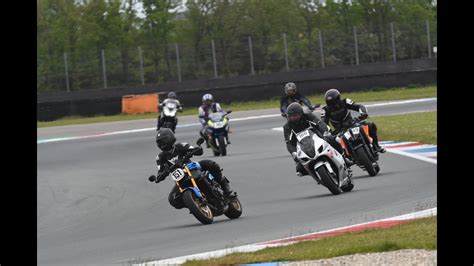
(324, 163)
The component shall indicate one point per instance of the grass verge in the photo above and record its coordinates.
(420, 127)
(420, 234)
(364, 96)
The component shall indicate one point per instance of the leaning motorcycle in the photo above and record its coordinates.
(356, 142)
(217, 132)
(200, 193)
(324, 163)
(168, 115)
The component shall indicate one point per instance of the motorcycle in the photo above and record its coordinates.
(201, 194)
(217, 131)
(167, 117)
(324, 163)
(357, 144)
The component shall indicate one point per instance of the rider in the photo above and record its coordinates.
(208, 107)
(171, 98)
(298, 121)
(291, 96)
(165, 140)
(337, 113)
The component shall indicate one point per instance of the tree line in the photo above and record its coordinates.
(152, 34)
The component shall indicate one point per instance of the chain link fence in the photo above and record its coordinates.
(218, 58)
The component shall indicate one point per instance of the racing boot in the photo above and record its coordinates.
(300, 170)
(378, 148)
(348, 161)
(225, 186)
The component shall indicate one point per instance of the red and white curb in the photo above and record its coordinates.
(383, 223)
(420, 151)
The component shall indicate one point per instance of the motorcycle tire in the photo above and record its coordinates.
(222, 146)
(328, 181)
(202, 213)
(365, 161)
(235, 209)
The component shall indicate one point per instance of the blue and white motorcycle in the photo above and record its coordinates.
(217, 132)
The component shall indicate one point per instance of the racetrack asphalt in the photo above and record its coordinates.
(96, 205)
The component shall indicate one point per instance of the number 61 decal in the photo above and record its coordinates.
(177, 174)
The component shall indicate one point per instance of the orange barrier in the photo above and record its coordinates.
(139, 104)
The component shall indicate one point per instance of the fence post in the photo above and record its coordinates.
(214, 59)
(177, 62)
(252, 70)
(393, 43)
(67, 72)
(286, 53)
(356, 46)
(429, 37)
(141, 65)
(321, 48)
(102, 53)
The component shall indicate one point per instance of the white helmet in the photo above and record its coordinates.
(207, 97)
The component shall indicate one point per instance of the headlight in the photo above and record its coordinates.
(355, 130)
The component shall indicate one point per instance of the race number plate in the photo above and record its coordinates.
(177, 174)
(302, 135)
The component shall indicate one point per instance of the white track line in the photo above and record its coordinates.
(196, 124)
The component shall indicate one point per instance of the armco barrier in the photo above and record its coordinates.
(51, 106)
(139, 104)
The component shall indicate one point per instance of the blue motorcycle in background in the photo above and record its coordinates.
(217, 131)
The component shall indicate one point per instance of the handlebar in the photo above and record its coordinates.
(179, 163)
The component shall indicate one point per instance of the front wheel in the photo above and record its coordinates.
(235, 209)
(328, 181)
(365, 161)
(202, 212)
(222, 146)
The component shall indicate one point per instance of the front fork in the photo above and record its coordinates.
(200, 195)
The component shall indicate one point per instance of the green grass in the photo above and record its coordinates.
(420, 127)
(420, 234)
(365, 96)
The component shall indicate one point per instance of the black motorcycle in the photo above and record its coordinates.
(357, 143)
(200, 193)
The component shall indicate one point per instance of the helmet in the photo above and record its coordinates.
(290, 88)
(333, 98)
(172, 95)
(165, 139)
(207, 99)
(294, 112)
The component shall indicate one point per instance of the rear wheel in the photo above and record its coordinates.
(222, 146)
(235, 209)
(365, 161)
(328, 181)
(202, 212)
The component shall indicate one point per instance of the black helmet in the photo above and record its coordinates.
(172, 95)
(333, 98)
(165, 139)
(294, 112)
(290, 87)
